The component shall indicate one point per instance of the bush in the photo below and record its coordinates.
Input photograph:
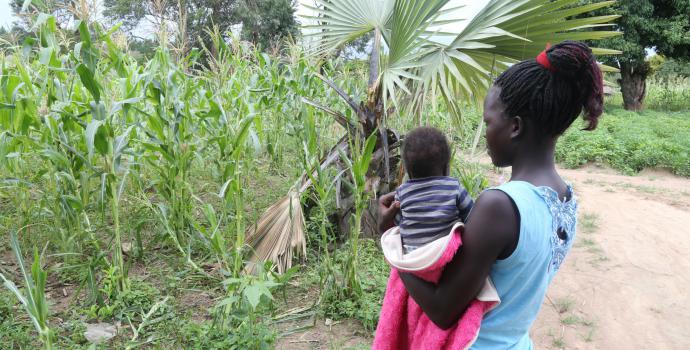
(630, 142)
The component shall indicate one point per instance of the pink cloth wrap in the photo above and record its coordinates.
(403, 324)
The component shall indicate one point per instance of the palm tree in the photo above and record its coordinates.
(409, 60)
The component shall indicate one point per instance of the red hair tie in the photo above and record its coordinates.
(544, 60)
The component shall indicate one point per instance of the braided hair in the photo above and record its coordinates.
(551, 91)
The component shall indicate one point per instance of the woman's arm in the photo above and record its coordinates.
(491, 231)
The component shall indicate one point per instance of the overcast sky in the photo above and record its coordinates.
(5, 14)
(470, 9)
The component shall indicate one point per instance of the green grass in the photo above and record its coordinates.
(586, 242)
(631, 141)
(16, 332)
(589, 222)
(564, 305)
(558, 342)
(571, 320)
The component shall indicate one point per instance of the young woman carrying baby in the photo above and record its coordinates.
(518, 233)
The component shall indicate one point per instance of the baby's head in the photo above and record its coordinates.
(426, 153)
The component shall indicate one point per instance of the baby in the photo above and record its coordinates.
(431, 202)
(432, 205)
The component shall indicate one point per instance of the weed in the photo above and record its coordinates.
(471, 177)
(366, 307)
(598, 259)
(595, 250)
(589, 222)
(570, 320)
(587, 323)
(16, 333)
(564, 305)
(33, 297)
(587, 242)
(558, 342)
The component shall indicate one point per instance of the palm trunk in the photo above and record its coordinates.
(371, 115)
(379, 170)
(633, 85)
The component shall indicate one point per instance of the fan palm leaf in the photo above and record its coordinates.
(503, 32)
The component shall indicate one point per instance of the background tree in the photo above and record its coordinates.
(663, 25)
(262, 20)
(60, 9)
(189, 19)
(673, 67)
(267, 21)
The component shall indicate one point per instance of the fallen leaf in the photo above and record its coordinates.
(99, 332)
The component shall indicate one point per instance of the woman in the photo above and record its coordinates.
(517, 233)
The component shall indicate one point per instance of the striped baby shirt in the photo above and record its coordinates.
(429, 207)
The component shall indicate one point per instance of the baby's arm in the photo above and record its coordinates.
(398, 216)
(465, 203)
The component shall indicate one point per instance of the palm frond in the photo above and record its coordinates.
(504, 32)
(339, 22)
(408, 30)
(279, 235)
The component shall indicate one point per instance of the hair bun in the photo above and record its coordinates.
(552, 89)
(574, 61)
(570, 57)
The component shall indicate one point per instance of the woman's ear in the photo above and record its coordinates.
(517, 127)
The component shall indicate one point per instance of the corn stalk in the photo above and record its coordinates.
(33, 298)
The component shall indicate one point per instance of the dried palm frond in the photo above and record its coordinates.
(279, 235)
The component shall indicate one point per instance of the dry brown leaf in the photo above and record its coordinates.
(278, 235)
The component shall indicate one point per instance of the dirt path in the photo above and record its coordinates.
(624, 284)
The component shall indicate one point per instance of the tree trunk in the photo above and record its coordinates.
(633, 85)
(377, 186)
(385, 160)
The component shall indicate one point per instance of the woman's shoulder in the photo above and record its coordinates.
(494, 202)
(495, 217)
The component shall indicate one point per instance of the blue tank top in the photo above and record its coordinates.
(522, 278)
